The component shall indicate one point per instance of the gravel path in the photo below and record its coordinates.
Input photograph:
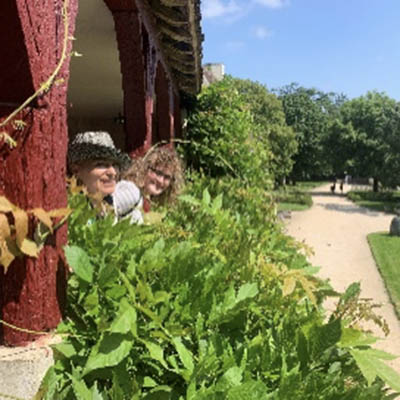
(336, 229)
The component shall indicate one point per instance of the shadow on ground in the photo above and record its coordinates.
(349, 208)
(327, 194)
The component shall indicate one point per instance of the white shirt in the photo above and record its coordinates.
(128, 202)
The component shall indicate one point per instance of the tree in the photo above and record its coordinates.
(375, 118)
(310, 112)
(223, 136)
(268, 114)
(340, 146)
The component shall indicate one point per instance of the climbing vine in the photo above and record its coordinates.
(44, 87)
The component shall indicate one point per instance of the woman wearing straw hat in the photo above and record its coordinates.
(96, 163)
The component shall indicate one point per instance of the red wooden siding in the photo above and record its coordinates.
(33, 173)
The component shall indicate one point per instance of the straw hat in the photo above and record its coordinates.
(96, 146)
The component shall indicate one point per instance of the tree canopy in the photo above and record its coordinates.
(238, 127)
(375, 142)
(310, 112)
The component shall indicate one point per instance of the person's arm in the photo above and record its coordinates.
(128, 201)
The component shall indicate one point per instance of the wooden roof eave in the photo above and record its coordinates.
(180, 37)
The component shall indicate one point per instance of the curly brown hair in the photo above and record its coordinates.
(158, 158)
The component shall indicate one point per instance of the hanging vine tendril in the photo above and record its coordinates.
(44, 87)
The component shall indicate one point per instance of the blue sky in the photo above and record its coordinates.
(344, 46)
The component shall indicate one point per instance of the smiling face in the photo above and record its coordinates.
(99, 176)
(157, 180)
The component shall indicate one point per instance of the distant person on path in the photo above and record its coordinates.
(341, 186)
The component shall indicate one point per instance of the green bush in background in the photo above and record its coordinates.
(387, 201)
(238, 129)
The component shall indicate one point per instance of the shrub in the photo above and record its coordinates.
(223, 137)
(211, 304)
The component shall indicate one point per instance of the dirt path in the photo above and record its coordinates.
(336, 229)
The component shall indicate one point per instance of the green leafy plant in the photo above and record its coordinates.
(223, 138)
(214, 303)
(387, 201)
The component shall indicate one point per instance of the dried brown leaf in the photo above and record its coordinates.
(44, 217)
(59, 212)
(5, 205)
(74, 188)
(21, 225)
(5, 230)
(29, 248)
(6, 257)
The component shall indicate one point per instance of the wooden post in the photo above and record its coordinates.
(149, 96)
(32, 174)
(133, 45)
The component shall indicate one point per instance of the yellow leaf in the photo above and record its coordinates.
(5, 231)
(19, 124)
(5, 205)
(152, 217)
(44, 217)
(308, 288)
(21, 225)
(29, 248)
(289, 285)
(6, 257)
(8, 139)
(74, 188)
(59, 212)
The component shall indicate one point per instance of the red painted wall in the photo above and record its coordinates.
(33, 173)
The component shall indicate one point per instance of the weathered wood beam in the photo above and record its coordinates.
(180, 36)
(174, 3)
(171, 16)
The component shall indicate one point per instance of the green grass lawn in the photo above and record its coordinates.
(386, 251)
(295, 198)
(292, 207)
(308, 185)
(381, 201)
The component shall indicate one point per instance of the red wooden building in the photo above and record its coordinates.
(140, 64)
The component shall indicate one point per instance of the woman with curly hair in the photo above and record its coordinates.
(159, 178)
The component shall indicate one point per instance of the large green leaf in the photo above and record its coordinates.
(79, 261)
(247, 291)
(125, 320)
(250, 390)
(156, 352)
(231, 378)
(184, 354)
(353, 337)
(370, 364)
(81, 390)
(109, 351)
